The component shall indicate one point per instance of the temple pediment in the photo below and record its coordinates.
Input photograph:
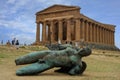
(57, 8)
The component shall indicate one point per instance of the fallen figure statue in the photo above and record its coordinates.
(69, 59)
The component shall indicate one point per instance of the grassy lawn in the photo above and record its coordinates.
(101, 65)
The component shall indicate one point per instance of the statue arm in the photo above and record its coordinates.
(31, 57)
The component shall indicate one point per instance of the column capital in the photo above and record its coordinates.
(68, 19)
(82, 19)
(77, 18)
(44, 21)
(60, 20)
(37, 22)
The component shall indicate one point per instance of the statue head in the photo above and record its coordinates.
(83, 52)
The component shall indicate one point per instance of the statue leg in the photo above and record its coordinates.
(77, 69)
(63, 70)
(32, 69)
(84, 65)
(74, 70)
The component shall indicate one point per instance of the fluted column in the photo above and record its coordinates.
(51, 32)
(100, 34)
(87, 31)
(44, 32)
(38, 32)
(77, 30)
(97, 34)
(113, 38)
(107, 37)
(103, 35)
(83, 29)
(91, 32)
(60, 31)
(110, 37)
(68, 30)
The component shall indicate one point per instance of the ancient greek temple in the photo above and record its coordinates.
(65, 24)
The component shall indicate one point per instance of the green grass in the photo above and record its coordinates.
(99, 66)
(2, 56)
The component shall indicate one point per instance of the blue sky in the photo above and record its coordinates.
(17, 17)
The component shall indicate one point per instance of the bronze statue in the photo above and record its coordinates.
(67, 57)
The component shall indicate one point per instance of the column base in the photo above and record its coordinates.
(101, 46)
(36, 43)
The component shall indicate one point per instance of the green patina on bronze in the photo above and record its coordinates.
(67, 57)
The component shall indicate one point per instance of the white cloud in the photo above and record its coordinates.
(18, 25)
(11, 1)
(51, 2)
(16, 5)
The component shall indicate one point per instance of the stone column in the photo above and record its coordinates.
(51, 32)
(103, 35)
(87, 31)
(97, 33)
(77, 30)
(107, 36)
(68, 30)
(100, 34)
(83, 29)
(91, 32)
(110, 38)
(93, 26)
(113, 37)
(60, 31)
(38, 33)
(44, 32)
